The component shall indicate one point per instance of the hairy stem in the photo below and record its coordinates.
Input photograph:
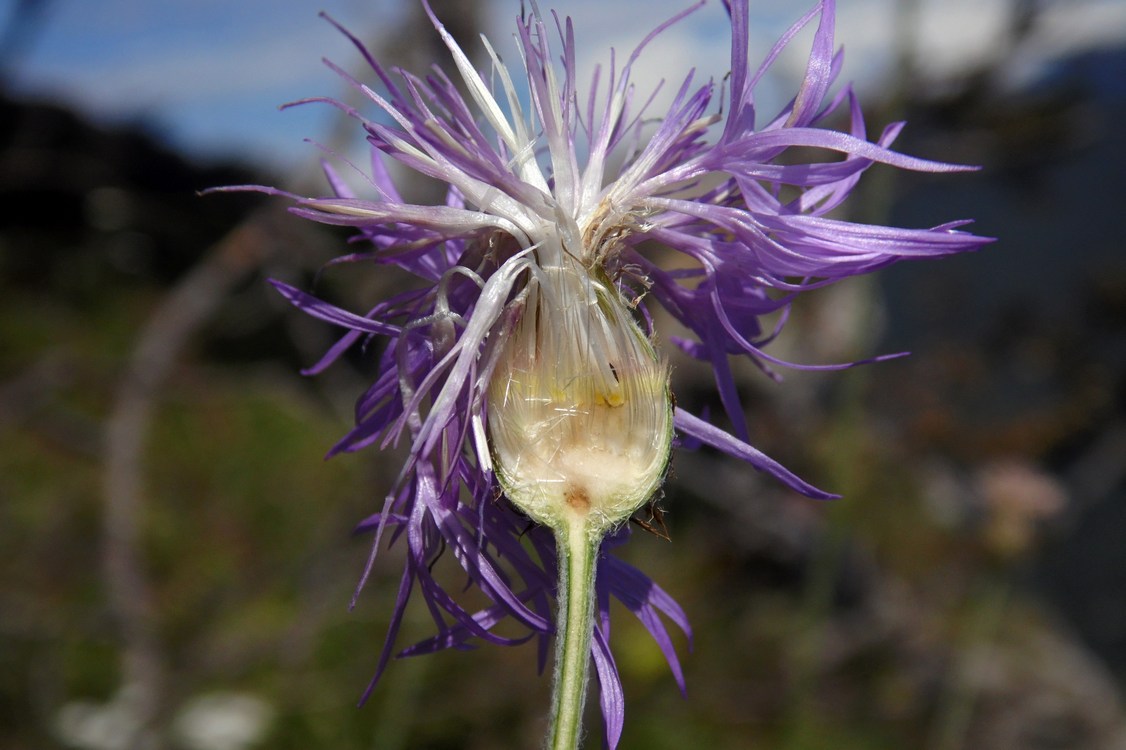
(578, 554)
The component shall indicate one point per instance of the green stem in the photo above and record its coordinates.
(574, 629)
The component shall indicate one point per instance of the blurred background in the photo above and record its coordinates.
(176, 561)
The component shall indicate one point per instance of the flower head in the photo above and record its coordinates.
(525, 364)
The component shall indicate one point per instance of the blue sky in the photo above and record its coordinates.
(210, 73)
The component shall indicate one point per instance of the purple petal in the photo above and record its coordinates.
(732, 446)
(331, 313)
(611, 698)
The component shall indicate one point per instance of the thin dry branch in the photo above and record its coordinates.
(185, 309)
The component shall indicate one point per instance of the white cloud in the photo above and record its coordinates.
(118, 66)
(195, 62)
(1066, 27)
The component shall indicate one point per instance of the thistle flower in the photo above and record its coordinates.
(523, 371)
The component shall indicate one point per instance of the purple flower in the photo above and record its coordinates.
(554, 196)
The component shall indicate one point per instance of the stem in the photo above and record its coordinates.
(574, 629)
